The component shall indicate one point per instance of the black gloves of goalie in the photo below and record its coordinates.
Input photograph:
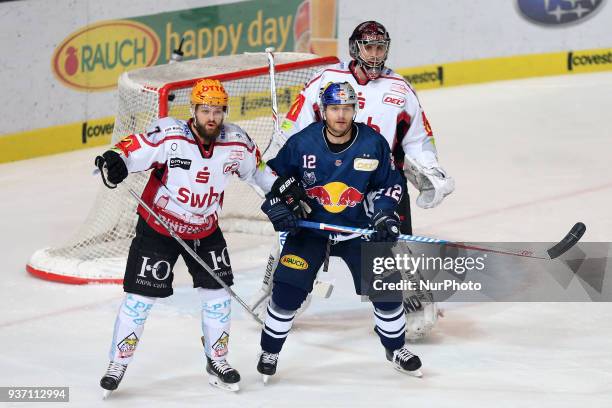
(386, 226)
(279, 214)
(112, 166)
(293, 194)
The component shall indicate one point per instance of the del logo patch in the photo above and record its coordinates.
(395, 100)
(294, 262)
(365, 164)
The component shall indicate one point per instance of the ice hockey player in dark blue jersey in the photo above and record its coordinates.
(349, 179)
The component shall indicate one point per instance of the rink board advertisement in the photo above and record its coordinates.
(81, 54)
(92, 58)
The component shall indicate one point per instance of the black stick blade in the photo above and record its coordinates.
(568, 241)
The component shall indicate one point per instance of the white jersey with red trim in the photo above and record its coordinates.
(387, 104)
(187, 183)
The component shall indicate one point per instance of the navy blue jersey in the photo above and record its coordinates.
(344, 188)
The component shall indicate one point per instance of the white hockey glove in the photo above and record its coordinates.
(432, 182)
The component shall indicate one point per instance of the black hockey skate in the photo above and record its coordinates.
(406, 362)
(112, 378)
(222, 375)
(267, 365)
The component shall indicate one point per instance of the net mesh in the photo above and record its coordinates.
(98, 252)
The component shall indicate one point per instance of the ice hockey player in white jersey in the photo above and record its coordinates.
(191, 165)
(389, 105)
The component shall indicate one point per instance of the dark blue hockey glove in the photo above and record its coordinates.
(279, 214)
(116, 170)
(293, 194)
(386, 226)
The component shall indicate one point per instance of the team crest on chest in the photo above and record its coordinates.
(309, 177)
(230, 167)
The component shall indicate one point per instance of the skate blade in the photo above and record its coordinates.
(216, 382)
(265, 378)
(416, 373)
(106, 394)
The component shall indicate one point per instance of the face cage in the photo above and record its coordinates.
(372, 69)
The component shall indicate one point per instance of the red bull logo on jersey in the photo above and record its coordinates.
(335, 196)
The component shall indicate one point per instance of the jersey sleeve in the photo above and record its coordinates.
(254, 171)
(286, 161)
(386, 186)
(418, 143)
(305, 108)
(143, 151)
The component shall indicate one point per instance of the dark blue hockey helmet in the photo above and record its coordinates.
(338, 93)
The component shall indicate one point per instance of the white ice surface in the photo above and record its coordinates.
(530, 158)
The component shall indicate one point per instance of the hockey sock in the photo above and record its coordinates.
(390, 324)
(216, 320)
(276, 328)
(286, 300)
(129, 326)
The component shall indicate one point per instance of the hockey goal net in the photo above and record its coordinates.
(98, 251)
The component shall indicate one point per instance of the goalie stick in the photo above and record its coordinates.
(570, 239)
(194, 255)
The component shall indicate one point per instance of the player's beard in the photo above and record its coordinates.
(206, 132)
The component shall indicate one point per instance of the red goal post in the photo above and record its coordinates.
(98, 251)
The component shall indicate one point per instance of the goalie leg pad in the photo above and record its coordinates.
(261, 298)
(129, 326)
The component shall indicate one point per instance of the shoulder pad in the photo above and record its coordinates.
(234, 133)
(164, 127)
(172, 127)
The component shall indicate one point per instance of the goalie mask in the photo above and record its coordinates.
(369, 46)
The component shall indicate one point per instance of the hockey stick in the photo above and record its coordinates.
(178, 239)
(194, 255)
(270, 54)
(570, 239)
(274, 104)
